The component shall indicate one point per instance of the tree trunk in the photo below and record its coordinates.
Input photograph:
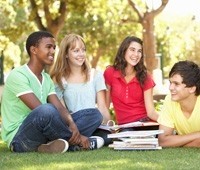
(95, 58)
(149, 41)
(147, 21)
(53, 25)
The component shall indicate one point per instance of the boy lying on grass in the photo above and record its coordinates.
(181, 109)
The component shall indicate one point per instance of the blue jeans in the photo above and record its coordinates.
(45, 124)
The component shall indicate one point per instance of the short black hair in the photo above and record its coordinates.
(189, 71)
(34, 39)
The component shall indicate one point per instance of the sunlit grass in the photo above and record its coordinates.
(105, 158)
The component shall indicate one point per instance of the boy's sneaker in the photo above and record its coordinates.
(56, 146)
(96, 142)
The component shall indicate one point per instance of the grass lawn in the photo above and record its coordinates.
(105, 158)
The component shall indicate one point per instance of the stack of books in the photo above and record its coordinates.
(136, 140)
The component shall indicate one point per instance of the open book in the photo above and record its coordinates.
(115, 128)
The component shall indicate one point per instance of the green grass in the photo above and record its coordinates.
(105, 158)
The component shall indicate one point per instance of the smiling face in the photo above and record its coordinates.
(178, 90)
(45, 50)
(133, 53)
(77, 54)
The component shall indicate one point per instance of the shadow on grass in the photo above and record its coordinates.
(105, 158)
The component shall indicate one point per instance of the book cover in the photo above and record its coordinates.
(153, 141)
(138, 144)
(120, 145)
(138, 148)
(146, 133)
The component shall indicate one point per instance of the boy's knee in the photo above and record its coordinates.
(48, 110)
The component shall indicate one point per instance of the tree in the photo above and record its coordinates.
(54, 16)
(100, 27)
(146, 19)
(11, 33)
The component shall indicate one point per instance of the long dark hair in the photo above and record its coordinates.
(120, 62)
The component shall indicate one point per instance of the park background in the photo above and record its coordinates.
(169, 29)
(172, 35)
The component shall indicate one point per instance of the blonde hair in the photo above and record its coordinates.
(61, 66)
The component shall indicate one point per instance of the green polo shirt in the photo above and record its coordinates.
(21, 81)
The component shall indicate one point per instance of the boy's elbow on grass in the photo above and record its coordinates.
(165, 142)
(162, 143)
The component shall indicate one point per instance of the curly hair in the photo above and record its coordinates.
(120, 63)
(35, 38)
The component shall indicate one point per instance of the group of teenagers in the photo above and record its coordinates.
(61, 110)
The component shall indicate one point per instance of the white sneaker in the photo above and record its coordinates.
(96, 142)
(56, 146)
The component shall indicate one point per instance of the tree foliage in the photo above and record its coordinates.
(178, 39)
(14, 28)
(146, 17)
(103, 24)
(102, 28)
(49, 15)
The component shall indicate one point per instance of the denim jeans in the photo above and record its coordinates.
(87, 121)
(44, 124)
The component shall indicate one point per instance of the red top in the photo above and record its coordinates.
(127, 98)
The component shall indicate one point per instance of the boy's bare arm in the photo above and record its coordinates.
(168, 139)
(194, 143)
(76, 138)
(32, 102)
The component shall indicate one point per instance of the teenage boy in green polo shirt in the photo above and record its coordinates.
(33, 118)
